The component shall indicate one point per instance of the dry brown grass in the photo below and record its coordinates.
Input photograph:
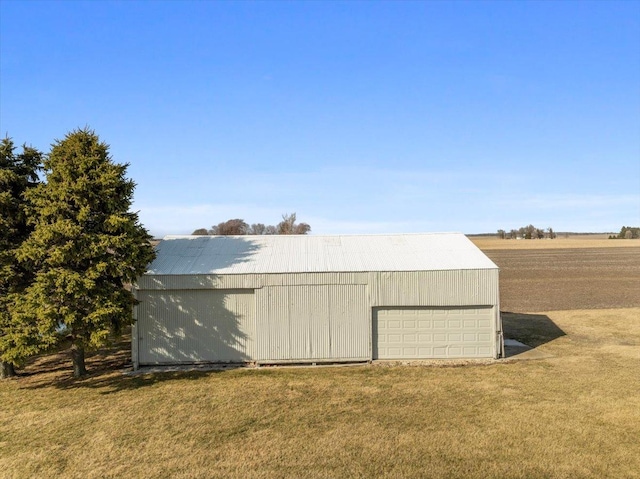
(575, 415)
(576, 241)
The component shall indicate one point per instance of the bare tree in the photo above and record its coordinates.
(288, 226)
(551, 233)
(529, 232)
(237, 226)
(234, 227)
(257, 229)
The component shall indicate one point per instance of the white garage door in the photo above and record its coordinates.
(195, 325)
(420, 333)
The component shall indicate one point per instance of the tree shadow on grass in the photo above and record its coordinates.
(106, 368)
(531, 329)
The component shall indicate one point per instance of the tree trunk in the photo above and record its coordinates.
(7, 370)
(77, 355)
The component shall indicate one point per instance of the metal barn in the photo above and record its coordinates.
(295, 299)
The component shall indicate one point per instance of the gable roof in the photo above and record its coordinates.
(191, 255)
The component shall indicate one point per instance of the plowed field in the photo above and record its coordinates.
(567, 278)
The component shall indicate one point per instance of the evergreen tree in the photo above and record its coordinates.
(629, 232)
(86, 246)
(17, 174)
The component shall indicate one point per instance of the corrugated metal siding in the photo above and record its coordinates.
(350, 317)
(303, 254)
(301, 279)
(190, 326)
(297, 316)
(272, 320)
(249, 281)
(175, 282)
(434, 288)
(135, 358)
(316, 322)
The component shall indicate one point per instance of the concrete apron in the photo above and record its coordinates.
(516, 350)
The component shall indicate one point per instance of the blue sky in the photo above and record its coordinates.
(362, 117)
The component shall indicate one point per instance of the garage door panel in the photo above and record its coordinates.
(422, 332)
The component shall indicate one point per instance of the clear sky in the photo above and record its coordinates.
(362, 117)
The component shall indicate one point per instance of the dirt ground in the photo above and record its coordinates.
(554, 279)
(561, 242)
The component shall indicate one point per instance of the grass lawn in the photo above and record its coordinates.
(574, 415)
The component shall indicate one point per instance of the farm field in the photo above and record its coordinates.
(573, 241)
(568, 278)
(575, 414)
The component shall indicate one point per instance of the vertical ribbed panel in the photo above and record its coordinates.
(272, 323)
(135, 359)
(292, 317)
(246, 281)
(199, 281)
(308, 317)
(195, 325)
(435, 288)
(316, 322)
(350, 320)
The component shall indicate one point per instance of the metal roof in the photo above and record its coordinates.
(189, 255)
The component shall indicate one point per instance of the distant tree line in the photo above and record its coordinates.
(69, 246)
(627, 232)
(233, 227)
(527, 232)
